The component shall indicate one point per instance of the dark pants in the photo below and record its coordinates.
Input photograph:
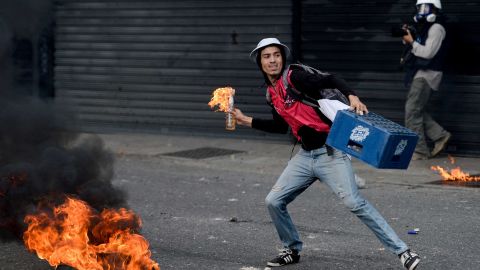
(417, 119)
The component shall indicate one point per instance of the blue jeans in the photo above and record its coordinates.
(336, 171)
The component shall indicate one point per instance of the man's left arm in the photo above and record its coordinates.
(310, 83)
(355, 103)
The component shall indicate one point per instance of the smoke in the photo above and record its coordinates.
(20, 20)
(26, 17)
(42, 157)
(5, 51)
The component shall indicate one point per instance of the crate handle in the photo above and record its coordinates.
(355, 146)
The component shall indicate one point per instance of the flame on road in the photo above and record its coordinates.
(76, 235)
(455, 174)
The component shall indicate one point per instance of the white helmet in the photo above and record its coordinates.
(425, 10)
(267, 42)
(436, 3)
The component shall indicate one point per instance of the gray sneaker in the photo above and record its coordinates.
(418, 156)
(440, 144)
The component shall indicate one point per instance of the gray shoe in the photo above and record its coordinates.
(418, 156)
(440, 144)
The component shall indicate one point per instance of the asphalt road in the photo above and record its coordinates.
(210, 213)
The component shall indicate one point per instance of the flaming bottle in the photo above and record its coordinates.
(222, 100)
(230, 120)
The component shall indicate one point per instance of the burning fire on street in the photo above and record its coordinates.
(456, 174)
(76, 235)
(56, 193)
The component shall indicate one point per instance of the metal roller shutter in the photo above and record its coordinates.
(153, 64)
(352, 38)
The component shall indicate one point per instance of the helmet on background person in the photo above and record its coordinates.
(436, 3)
(426, 10)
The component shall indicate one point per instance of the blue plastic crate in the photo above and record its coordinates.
(373, 139)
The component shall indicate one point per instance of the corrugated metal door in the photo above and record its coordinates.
(352, 38)
(153, 64)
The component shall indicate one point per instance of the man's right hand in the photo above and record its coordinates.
(408, 38)
(242, 119)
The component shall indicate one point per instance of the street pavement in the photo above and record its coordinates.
(209, 213)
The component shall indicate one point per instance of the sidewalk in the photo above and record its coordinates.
(271, 156)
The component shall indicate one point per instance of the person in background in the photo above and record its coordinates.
(314, 161)
(424, 74)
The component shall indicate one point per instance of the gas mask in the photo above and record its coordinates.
(425, 13)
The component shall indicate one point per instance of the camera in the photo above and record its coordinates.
(399, 31)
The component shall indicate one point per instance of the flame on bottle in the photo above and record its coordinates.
(222, 100)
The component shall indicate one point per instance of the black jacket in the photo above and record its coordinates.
(309, 84)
